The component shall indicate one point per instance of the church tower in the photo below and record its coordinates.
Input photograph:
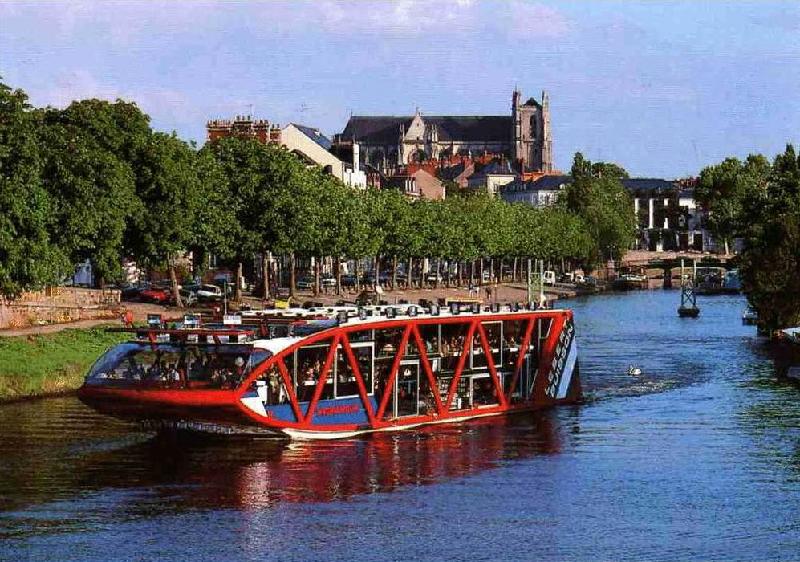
(547, 138)
(532, 140)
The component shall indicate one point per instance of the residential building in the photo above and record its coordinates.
(416, 185)
(666, 213)
(306, 142)
(492, 177)
(540, 192)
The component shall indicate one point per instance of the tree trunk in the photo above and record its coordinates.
(514, 276)
(394, 273)
(358, 274)
(265, 275)
(409, 273)
(173, 277)
(377, 270)
(438, 271)
(292, 285)
(317, 266)
(480, 272)
(338, 266)
(237, 291)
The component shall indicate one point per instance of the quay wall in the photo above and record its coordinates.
(58, 305)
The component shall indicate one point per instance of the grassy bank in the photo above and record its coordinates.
(49, 363)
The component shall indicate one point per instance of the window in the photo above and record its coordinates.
(176, 366)
(310, 361)
(346, 384)
(430, 338)
(270, 387)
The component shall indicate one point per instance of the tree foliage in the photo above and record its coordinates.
(28, 256)
(771, 258)
(604, 205)
(723, 190)
(94, 181)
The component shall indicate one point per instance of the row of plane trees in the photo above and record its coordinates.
(95, 181)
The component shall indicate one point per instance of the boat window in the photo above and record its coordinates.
(452, 345)
(361, 335)
(346, 384)
(513, 334)
(387, 341)
(270, 387)
(478, 357)
(430, 337)
(176, 366)
(310, 361)
(484, 392)
(494, 334)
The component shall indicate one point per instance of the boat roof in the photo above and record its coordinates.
(251, 327)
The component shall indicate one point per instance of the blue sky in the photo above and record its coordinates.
(661, 88)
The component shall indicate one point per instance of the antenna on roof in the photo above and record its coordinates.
(250, 107)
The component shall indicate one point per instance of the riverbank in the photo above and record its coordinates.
(48, 364)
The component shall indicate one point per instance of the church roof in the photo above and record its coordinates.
(473, 128)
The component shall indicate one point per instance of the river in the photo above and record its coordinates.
(698, 458)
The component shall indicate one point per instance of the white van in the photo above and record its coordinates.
(549, 277)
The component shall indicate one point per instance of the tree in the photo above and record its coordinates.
(92, 182)
(771, 257)
(722, 190)
(174, 199)
(608, 170)
(28, 258)
(605, 207)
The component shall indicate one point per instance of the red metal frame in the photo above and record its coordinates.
(523, 349)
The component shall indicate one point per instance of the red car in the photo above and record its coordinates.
(158, 295)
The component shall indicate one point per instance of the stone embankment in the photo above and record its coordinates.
(59, 305)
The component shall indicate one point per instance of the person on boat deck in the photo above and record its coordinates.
(274, 389)
(172, 374)
(238, 374)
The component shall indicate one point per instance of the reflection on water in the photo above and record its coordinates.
(43, 465)
(699, 457)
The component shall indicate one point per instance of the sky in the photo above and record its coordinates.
(663, 89)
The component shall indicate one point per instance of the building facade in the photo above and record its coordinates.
(392, 142)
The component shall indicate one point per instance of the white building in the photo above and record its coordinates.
(541, 192)
(492, 178)
(313, 147)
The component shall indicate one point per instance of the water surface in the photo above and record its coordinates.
(699, 458)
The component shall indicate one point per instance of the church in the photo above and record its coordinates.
(389, 143)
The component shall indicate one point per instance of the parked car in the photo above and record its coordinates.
(549, 277)
(189, 293)
(433, 277)
(158, 295)
(383, 278)
(305, 282)
(349, 280)
(327, 281)
(209, 293)
(132, 291)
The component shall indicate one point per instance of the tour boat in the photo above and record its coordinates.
(340, 371)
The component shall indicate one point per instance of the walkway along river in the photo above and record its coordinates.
(698, 458)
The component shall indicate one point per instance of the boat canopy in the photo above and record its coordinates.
(170, 365)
